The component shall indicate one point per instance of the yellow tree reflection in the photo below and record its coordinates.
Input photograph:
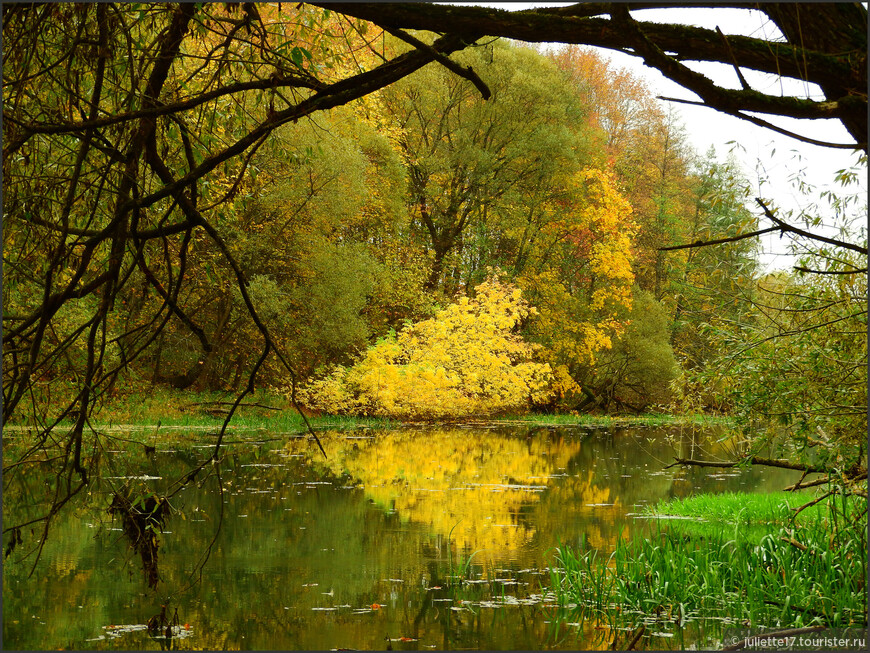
(475, 488)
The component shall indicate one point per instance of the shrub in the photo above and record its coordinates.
(466, 360)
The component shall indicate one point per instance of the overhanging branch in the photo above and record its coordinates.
(719, 241)
(838, 66)
(755, 120)
(466, 73)
(807, 234)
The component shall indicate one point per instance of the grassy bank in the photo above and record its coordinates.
(273, 411)
(736, 559)
(742, 516)
(167, 408)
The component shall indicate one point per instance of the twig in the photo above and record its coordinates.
(797, 511)
(755, 120)
(794, 543)
(230, 403)
(806, 234)
(800, 480)
(719, 241)
(468, 73)
(798, 486)
(734, 61)
(801, 268)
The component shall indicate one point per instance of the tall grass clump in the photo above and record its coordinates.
(804, 572)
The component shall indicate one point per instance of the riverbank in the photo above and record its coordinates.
(165, 408)
(759, 560)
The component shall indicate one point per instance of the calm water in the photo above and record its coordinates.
(279, 548)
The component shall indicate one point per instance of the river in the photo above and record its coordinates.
(407, 539)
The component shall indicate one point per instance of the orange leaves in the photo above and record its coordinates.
(619, 102)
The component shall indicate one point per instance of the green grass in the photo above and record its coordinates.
(143, 411)
(790, 574)
(144, 408)
(741, 509)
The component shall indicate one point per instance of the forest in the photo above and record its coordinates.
(418, 217)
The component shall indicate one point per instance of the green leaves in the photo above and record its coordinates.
(299, 55)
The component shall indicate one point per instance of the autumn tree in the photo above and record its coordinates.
(714, 286)
(650, 154)
(468, 157)
(576, 266)
(620, 104)
(636, 371)
(297, 231)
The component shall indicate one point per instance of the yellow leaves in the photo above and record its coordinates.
(464, 361)
(580, 309)
(564, 384)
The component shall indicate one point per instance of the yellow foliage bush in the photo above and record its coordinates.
(466, 360)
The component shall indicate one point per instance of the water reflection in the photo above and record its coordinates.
(473, 489)
(428, 538)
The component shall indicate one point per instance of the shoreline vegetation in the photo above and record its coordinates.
(714, 560)
(165, 408)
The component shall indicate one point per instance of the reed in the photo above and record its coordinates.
(802, 572)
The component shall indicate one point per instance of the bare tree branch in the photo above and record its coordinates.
(466, 73)
(719, 241)
(837, 65)
(808, 234)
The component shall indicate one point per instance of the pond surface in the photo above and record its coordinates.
(416, 539)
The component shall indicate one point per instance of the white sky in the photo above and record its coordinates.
(762, 152)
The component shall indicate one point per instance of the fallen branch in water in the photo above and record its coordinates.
(753, 460)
